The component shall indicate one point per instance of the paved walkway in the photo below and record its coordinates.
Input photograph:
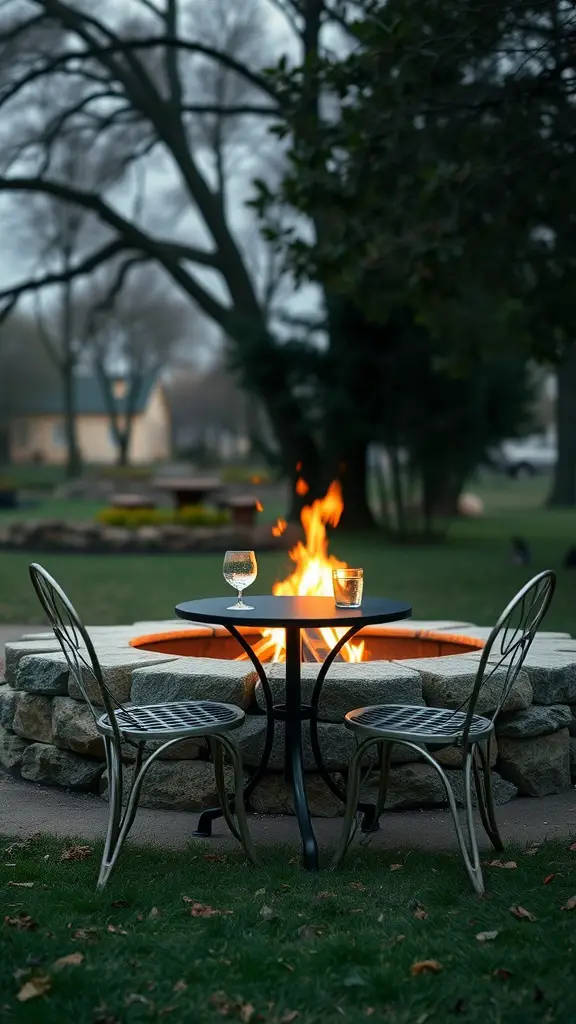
(26, 808)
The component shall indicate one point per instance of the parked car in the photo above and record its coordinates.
(526, 456)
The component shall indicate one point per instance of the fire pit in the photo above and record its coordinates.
(47, 734)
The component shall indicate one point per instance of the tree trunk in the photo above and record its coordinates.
(123, 443)
(563, 492)
(352, 472)
(73, 458)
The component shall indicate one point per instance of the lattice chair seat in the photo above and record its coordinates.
(170, 721)
(432, 726)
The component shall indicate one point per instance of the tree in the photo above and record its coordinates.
(134, 325)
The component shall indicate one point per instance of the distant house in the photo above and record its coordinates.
(37, 434)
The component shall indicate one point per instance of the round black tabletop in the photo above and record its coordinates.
(305, 612)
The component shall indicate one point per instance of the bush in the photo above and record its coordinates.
(133, 518)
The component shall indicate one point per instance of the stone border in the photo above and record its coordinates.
(47, 734)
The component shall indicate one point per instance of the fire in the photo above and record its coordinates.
(259, 505)
(312, 577)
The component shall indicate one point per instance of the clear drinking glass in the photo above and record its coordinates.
(240, 570)
(348, 586)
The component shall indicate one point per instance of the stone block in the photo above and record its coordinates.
(176, 785)
(448, 682)
(117, 669)
(7, 706)
(451, 757)
(231, 682)
(43, 673)
(553, 676)
(273, 795)
(537, 766)
(537, 720)
(350, 686)
(419, 785)
(74, 728)
(337, 745)
(12, 748)
(43, 762)
(33, 717)
(14, 652)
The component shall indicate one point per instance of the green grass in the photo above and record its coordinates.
(331, 946)
(469, 578)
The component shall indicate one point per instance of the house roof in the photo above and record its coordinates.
(90, 399)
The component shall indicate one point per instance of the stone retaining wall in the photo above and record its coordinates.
(47, 733)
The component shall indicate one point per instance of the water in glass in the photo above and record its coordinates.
(240, 570)
(348, 587)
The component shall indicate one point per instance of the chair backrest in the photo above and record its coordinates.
(75, 643)
(509, 642)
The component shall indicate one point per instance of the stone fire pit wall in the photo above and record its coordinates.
(47, 734)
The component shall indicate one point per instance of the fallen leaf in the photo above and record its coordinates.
(571, 848)
(21, 885)
(216, 858)
(396, 867)
(359, 886)
(23, 922)
(180, 986)
(486, 936)
(260, 892)
(267, 914)
(120, 903)
(203, 910)
(426, 967)
(76, 853)
(533, 849)
(85, 935)
(246, 1013)
(325, 895)
(71, 960)
(548, 879)
(502, 972)
(227, 1007)
(136, 997)
(420, 913)
(508, 865)
(522, 914)
(570, 904)
(39, 985)
(115, 930)
(289, 1016)
(155, 912)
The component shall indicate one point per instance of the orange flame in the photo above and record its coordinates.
(312, 574)
(280, 527)
(302, 487)
(259, 505)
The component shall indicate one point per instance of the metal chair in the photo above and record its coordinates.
(136, 726)
(427, 728)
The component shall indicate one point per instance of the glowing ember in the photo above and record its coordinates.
(280, 527)
(311, 577)
(259, 506)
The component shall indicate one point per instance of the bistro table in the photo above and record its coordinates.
(293, 614)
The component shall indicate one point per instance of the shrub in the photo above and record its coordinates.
(133, 518)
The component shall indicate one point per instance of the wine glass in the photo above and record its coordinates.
(240, 570)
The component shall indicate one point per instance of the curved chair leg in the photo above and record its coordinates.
(216, 751)
(485, 796)
(127, 819)
(352, 795)
(114, 766)
(239, 828)
(385, 761)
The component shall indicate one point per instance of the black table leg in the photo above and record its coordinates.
(293, 759)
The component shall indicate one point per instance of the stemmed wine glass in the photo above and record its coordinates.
(240, 570)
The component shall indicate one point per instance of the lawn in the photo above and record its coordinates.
(198, 937)
(468, 578)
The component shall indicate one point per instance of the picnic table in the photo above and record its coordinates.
(190, 490)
